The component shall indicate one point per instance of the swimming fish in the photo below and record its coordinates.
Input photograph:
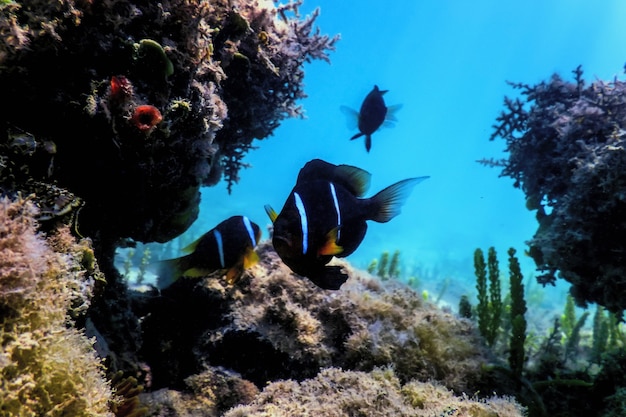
(229, 245)
(372, 115)
(324, 216)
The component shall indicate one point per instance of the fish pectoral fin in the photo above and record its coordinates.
(250, 258)
(352, 117)
(197, 272)
(271, 212)
(331, 247)
(391, 112)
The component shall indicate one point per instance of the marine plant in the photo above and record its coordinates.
(518, 319)
(386, 267)
(489, 308)
(566, 151)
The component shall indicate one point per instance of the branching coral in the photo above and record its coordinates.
(567, 152)
(46, 366)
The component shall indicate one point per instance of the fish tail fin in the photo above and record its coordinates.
(167, 272)
(387, 204)
(368, 142)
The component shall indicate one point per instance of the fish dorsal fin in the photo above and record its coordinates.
(192, 246)
(387, 204)
(356, 180)
(330, 246)
(271, 212)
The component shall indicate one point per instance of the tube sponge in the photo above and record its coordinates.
(47, 367)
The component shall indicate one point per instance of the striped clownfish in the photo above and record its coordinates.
(324, 216)
(229, 245)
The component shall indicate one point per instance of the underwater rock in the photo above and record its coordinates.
(298, 328)
(567, 152)
(378, 393)
(209, 394)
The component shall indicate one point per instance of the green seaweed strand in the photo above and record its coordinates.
(518, 321)
(494, 295)
(482, 309)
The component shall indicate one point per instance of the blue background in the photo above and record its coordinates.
(447, 62)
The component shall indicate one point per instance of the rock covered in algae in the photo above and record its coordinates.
(297, 328)
(133, 105)
(379, 393)
(47, 365)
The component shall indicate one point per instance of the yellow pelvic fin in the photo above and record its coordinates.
(270, 212)
(234, 273)
(250, 258)
(331, 247)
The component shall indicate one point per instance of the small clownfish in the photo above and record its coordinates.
(324, 217)
(229, 245)
(373, 114)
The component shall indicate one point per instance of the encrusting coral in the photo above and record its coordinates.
(47, 366)
(566, 145)
(334, 392)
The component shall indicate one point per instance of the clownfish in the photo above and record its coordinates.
(372, 115)
(229, 245)
(324, 216)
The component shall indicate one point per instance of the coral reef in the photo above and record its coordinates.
(140, 103)
(298, 329)
(118, 111)
(377, 393)
(47, 366)
(567, 152)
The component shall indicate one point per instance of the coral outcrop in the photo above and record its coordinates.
(567, 152)
(379, 393)
(118, 111)
(131, 106)
(47, 366)
(297, 329)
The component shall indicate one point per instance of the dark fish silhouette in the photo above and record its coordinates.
(372, 115)
(323, 217)
(229, 245)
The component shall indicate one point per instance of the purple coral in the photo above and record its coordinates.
(567, 152)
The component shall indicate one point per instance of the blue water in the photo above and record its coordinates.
(447, 63)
